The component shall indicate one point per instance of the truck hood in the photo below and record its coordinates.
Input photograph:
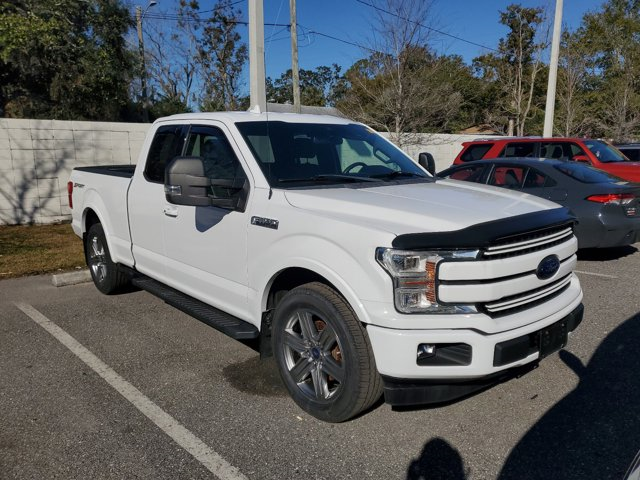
(628, 170)
(444, 205)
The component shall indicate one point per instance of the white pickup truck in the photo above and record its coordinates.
(321, 243)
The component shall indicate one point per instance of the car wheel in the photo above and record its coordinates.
(106, 275)
(323, 354)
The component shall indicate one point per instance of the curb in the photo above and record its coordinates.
(70, 278)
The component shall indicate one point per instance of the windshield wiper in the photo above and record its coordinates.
(328, 177)
(398, 174)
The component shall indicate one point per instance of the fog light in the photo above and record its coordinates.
(426, 350)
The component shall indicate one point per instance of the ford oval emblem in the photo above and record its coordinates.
(548, 267)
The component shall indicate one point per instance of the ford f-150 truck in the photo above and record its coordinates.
(321, 243)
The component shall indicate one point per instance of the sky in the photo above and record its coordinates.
(349, 20)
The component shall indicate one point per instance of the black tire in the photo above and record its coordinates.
(106, 275)
(323, 354)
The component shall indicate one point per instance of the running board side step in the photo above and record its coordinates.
(227, 324)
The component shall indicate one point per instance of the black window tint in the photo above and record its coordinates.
(537, 179)
(220, 161)
(632, 153)
(509, 176)
(476, 152)
(587, 174)
(166, 145)
(468, 174)
(558, 150)
(519, 150)
(212, 145)
(290, 153)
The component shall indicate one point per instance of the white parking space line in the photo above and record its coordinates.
(169, 425)
(596, 274)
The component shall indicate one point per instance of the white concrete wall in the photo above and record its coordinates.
(443, 147)
(37, 156)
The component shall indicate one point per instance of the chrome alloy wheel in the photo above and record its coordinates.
(313, 355)
(97, 259)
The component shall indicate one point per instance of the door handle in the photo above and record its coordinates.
(170, 211)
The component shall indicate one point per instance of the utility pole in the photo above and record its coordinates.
(295, 74)
(143, 66)
(553, 72)
(257, 91)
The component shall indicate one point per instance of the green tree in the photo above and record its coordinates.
(611, 38)
(514, 69)
(398, 87)
(64, 59)
(222, 57)
(572, 116)
(322, 86)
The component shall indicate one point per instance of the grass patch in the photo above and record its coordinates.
(38, 249)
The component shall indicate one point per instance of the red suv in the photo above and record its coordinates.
(595, 152)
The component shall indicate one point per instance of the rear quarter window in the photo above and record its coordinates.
(475, 152)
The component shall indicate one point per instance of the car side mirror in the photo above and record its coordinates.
(581, 158)
(426, 161)
(185, 182)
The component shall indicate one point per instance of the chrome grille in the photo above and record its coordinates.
(508, 305)
(528, 242)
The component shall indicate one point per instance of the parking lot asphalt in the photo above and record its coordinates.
(148, 392)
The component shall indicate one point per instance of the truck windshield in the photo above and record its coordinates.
(302, 154)
(605, 152)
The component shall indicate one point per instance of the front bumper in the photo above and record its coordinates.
(403, 392)
(474, 360)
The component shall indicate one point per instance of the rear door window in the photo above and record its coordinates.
(509, 176)
(519, 149)
(559, 150)
(476, 152)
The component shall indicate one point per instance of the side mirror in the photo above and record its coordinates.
(581, 158)
(427, 162)
(185, 182)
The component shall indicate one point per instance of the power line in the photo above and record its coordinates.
(337, 39)
(426, 27)
(173, 17)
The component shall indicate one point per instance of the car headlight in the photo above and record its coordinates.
(415, 278)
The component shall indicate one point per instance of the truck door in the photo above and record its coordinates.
(146, 201)
(206, 247)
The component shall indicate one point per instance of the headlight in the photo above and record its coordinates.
(415, 278)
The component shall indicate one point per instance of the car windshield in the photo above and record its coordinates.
(303, 154)
(586, 174)
(605, 152)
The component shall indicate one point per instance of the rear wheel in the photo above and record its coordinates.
(323, 354)
(106, 275)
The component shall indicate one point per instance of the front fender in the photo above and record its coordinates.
(356, 278)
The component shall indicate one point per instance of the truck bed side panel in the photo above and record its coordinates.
(106, 195)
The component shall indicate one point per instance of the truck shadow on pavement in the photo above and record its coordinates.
(593, 432)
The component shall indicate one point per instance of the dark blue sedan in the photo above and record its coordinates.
(607, 207)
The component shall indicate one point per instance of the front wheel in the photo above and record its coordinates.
(323, 354)
(106, 275)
